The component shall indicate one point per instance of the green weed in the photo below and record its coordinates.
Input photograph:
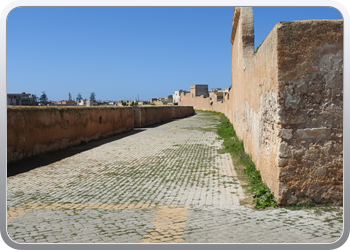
(262, 195)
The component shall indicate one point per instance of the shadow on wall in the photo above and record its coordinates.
(28, 164)
(31, 163)
(37, 130)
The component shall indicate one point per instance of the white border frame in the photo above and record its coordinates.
(8, 5)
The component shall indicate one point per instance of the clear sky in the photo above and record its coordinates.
(122, 52)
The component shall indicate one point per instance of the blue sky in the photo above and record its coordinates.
(122, 52)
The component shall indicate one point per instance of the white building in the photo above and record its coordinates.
(177, 96)
(87, 103)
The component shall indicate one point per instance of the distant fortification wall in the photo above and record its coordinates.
(145, 116)
(286, 103)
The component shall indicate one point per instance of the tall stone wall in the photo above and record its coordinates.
(310, 100)
(286, 104)
(253, 108)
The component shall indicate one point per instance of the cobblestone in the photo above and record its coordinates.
(165, 184)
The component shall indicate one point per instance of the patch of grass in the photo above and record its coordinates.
(225, 129)
(262, 195)
(298, 206)
(318, 209)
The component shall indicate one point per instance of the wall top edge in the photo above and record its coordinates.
(311, 21)
(89, 107)
(63, 107)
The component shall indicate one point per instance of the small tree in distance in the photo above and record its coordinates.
(134, 103)
(93, 96)
(43, 98)
(33, 99)
(79, 97)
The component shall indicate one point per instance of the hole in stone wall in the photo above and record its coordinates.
(100, 120)
(66, 125)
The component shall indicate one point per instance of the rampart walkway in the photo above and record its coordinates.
(166, 183)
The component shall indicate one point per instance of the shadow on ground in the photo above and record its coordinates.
(28, 164)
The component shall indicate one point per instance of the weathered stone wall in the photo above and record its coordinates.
(195, 101)
(181, 112)
(149, 115)
(137, 116)
(35, 130)
(310, 98)
(286, 104)
(200, 102)
(253, 95)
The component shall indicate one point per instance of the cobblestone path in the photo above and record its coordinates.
(166, 183)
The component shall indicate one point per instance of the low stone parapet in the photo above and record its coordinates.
(35, 130)
(149, 115)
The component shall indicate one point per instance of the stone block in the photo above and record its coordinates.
(292, 101)
(285, 150)
(287, 118)
(286, 133)
(313, 133)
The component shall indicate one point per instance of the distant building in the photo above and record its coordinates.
(177, 96)
(66, 103)
(141, 103)
(163, 101)
(90, 103)
(119, 103)
(87, 103)
(128, 103)
(199, 89)
(18, 99)
(81, 103)
(217, 95)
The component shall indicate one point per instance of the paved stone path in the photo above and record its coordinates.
(166, 183)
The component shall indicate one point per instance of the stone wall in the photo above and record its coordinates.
(252, 101)
(183, 111)
(286, 104)
(310, 101)
(145, 116)
(35, 130)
